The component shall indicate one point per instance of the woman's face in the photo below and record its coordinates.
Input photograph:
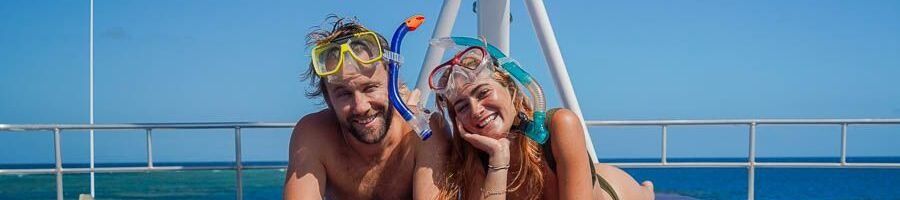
(483, 107)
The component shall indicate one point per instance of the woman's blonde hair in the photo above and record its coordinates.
(465, 160)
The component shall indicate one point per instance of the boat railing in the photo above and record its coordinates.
(751, 164)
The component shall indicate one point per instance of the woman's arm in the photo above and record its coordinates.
(498, 164)
(572, 162)
(495, 178)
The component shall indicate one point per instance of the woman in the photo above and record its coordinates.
(490, 158)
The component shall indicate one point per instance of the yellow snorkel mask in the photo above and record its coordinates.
(365, 48)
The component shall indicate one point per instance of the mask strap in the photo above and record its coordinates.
(483, 41)
(392, 57)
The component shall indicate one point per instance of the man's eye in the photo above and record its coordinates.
(370, 88)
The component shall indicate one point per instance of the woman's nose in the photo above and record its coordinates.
(477, 108)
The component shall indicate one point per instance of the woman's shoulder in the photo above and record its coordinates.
(562, 116)
(564, 125)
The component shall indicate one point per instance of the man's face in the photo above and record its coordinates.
(359, 96)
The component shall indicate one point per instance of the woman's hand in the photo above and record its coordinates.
(437, 123)
(411, 98)
(498, 166)
(498, 149)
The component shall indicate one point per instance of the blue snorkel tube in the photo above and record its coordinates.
(536, 130)
(418, 123)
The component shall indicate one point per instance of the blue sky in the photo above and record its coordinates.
(205, 61)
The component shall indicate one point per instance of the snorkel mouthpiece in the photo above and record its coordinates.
(412, 23)
(536, 130)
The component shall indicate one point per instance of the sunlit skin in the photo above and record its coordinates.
(485, 114)
(359, 148)
(358, 95)
(485, 108)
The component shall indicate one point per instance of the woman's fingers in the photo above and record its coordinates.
(489, 145)
(412, 99)
(413, 96)
(437, 123)
(436, 119)
(404, 91)
(480, 144)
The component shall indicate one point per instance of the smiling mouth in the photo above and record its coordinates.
(365, 120)
(487, 121)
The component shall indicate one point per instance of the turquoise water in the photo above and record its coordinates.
(694, 183)
(214, 184)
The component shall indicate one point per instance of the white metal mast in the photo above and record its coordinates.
(92, 98)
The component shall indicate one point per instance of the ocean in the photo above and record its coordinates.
(670, 183)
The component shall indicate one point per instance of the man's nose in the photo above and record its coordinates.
(361, 103)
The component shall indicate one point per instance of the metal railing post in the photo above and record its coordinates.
(150, 148)
(843, 144)
(57, 151)
(237, 162)
(665, 140)
(751, 161)
(549, 46)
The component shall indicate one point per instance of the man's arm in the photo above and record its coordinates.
(431, 157)
(306, 176)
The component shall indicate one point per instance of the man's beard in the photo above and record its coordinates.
(372, 136)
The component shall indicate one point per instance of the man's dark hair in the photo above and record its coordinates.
(339, 27)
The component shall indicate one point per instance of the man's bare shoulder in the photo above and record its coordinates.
(315, 130)
(309, 150)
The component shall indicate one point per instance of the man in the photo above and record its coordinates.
(357, 148)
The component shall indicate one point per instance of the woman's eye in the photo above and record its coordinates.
(342, 94)
(461, 107)
(484, 93)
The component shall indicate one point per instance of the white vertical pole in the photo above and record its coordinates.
(238, 165)
(493, 23)
(150, 148)
(92, 97)
(57, 154)
(557, 67)
(751, 166)
(433, 56)
(665, 141)
(843, 144)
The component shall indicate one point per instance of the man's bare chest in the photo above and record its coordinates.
(390, 180)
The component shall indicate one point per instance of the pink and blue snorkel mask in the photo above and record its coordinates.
(474, 63)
